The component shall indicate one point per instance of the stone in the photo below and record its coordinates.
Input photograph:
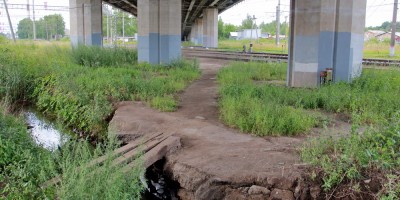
(282, 183)
(200, 118)
(258, 190)
(315, 192)
(244, 190)
(278, 194)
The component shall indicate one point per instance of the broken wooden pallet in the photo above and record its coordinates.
(153, 147)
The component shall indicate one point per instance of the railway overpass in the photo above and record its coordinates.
(324, 33)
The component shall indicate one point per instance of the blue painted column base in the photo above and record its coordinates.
(156, 49)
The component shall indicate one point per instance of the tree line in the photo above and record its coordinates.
(48, 27)
(385, 26)
(224, 29)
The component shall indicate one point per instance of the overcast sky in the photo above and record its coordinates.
(378, 11)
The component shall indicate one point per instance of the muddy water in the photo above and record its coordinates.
(45, 132)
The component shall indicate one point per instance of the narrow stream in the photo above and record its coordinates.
(45, 132)
(51, 136)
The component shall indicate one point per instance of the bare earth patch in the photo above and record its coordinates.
(215, 161)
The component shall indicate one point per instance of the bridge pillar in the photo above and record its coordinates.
(159, 31)
(199, 31)
(325, 34)
(86, 22)
(210, 28)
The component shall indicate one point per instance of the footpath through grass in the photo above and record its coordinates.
(254, 98)
(79, 87)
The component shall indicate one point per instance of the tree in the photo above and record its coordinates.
(47, 27)
(247, 23)
(220, 28)
(116, 17)
(386, 26)
(271, 28)
(25, 30)
(228, 28)
(268, 27)
(225, 29)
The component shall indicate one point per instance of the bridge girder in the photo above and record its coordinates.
(191, 9)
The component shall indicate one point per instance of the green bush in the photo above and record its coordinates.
(82, 95)
(253, 102)
(254, 107)
(104, 57)
(357, 156)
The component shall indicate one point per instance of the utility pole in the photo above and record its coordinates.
(251, 34)
(123, 28)
(108, 28)
(9, 20)
(278, 22)
(34, 24)
(28, 9)
(394, 21)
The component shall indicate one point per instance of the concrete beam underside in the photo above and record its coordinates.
(325, 34)
(159, 33)
(86, 22)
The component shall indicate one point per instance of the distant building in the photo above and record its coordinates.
(245, 34)
(372, 34)
(233, 35)
(381, 35)
(249, 34)
(384, 36)
(265, 35)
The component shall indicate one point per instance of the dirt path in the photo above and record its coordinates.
(199, 101)
(217, 162)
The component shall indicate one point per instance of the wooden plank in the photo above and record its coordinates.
(129, 156)
(157, 153)
(124, 149)
(153, 138)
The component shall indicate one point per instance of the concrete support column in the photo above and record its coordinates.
(86, 22)
(210, 28)
(159, 34)
(199, 31)
(325, 34)
(193, 32)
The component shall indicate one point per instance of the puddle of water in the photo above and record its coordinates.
(45, 132)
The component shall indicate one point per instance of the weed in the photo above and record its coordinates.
(165, 104)
(252, 107)
(25, 166)
(79, 86)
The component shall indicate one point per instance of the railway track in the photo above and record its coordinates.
(264, 57)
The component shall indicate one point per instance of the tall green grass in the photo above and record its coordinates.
(104, 57)
(25, 167)
(80, 86)
(251, 103)
(353, 158)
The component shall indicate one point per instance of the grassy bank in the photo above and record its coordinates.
(254, 98)
(25, 167)
(364, 166)
(372, 48)
(79, 87)
(251, 102)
